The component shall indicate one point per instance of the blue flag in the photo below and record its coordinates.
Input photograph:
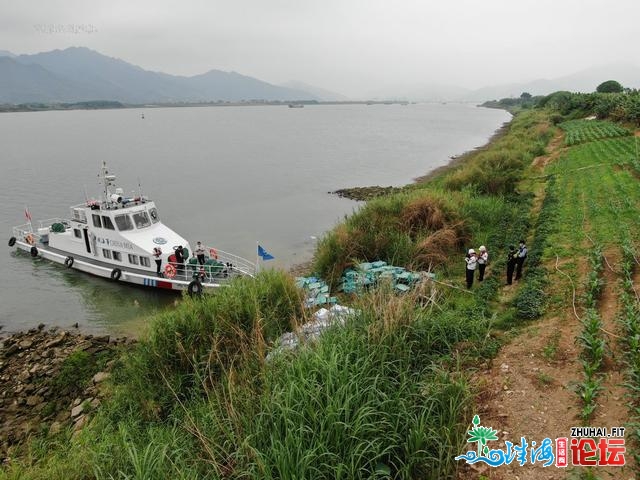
(264, 254)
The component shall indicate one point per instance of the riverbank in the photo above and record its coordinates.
(370, 192)
(50, 381)
(385, 395)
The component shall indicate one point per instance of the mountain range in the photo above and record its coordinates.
(78, 74)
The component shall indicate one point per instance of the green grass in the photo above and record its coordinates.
(583, 131)
(594, 189)
(386, 396)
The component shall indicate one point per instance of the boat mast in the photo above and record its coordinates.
(107, 181)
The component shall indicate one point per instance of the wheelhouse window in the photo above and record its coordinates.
(117, 256)
(145, 262)
(77, 233)
(107, 223)
(133, 259)
(106, 253)
(141, 219)
(96, 221)
(123, 222)
(153, 213)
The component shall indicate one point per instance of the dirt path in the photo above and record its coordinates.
(530, 388)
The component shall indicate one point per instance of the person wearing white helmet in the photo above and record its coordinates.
(472, 262)
(483, 259)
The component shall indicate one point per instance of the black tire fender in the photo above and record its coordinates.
(68, 262)
(195, 288)
(12, 241)
(34, 251)
(116, 273)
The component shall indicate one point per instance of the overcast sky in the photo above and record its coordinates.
(353, 47)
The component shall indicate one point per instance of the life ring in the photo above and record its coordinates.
(169, 271)
(195, 288)
(213, 253)
(116, 273)
(12, 241)
(29, 239)
(68, 262)
(34, 252)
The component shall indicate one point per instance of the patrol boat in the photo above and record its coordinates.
(116, 237)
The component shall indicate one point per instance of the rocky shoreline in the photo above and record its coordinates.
(50, 381)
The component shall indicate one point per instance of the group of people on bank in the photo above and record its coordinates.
(478, 261)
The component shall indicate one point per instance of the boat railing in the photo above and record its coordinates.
(221, 262)
(21, 231)
(49, 222)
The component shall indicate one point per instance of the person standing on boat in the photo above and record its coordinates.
(157, 255)
(179, 253)
(200, 252)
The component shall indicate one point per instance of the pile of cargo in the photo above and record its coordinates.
(316, 291)
(310, 331)
(367, 275)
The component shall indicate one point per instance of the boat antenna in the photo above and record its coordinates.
(86, 195)
(139, 189)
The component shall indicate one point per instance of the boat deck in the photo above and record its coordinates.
(186, 277)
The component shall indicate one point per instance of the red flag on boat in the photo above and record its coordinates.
(27, 214)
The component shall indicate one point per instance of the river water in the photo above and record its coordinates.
(229, 176)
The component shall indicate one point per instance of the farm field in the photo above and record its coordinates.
(582, 131)
(578, 364)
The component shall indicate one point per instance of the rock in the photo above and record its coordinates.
(29, 396)
(80, 422)
(100, 377)
(33, 400)
(77, 410)
(12, 349)
(55, 342)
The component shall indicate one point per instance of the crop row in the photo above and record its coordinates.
(591, 340)
(629, 319)
(598, 186)
(582, 131)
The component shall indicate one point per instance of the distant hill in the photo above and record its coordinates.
(322, 94)
(21, 83)
(6, 53)
(584, 81)
(80, 74)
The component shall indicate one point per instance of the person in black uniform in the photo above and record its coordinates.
(179, 253)
(512, 258)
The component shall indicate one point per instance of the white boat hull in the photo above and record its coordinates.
(105, 271)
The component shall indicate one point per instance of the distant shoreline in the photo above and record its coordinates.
(112, 105)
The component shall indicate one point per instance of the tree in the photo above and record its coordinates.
(610, 86)
(525, 96)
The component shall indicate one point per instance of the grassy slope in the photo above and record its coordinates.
(383, 397)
